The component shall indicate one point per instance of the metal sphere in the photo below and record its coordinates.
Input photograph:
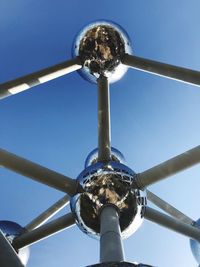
(11, 230)
(92, 158)
(108, 184)
(100, 46)
(195, 245)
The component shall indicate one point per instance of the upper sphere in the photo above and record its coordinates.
(92, 158)
(105, 184)
(100, 46)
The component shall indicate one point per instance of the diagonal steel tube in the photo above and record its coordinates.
(44, 231)
(104, 150)
(172, 223)
(162, 69)
(38, 173)
(23, 83)
(160, 203)
(47, 214)
(168, 168)
(8, 256)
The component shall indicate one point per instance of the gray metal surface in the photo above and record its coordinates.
(119, 264)
(111, 248)
(103, 119)
(23, 83)
(47, 214)
(162, 69)
(8, 256)
(38, 173)
(44, 231)
(168, 208)
(168, 168)
(172, 223)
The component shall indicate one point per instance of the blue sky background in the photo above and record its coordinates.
(55, 124)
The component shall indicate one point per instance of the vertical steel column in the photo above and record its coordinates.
(8, 256)
(111, 248)
(103, 119)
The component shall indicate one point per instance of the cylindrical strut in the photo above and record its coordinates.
(38, 173)
(111, 248)
(103, 119)
(44, 231)
(172, 223)
(47, 214)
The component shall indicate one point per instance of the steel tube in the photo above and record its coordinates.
(160, 203)
(111, 248)
(8, 256)
(168, 168)
(44, 231)
(26, 82)
(162, 69)
(104, 151)
(47, 214)
(38, 173)
(172, 223)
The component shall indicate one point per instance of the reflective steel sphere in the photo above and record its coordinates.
(12, 230)
(108, 184)
(100, 46)
(92, 158)
(195, 245)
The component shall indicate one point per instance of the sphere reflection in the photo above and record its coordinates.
(100, 46)
(108, 184)
(11, 230)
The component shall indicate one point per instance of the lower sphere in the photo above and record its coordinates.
(108, 184)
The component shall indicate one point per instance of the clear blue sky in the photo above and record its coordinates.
(55, 124)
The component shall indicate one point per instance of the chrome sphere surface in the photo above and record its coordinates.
(195, 245)
(100, 46)
(108, 184)
(11, 230)
(92, 158)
